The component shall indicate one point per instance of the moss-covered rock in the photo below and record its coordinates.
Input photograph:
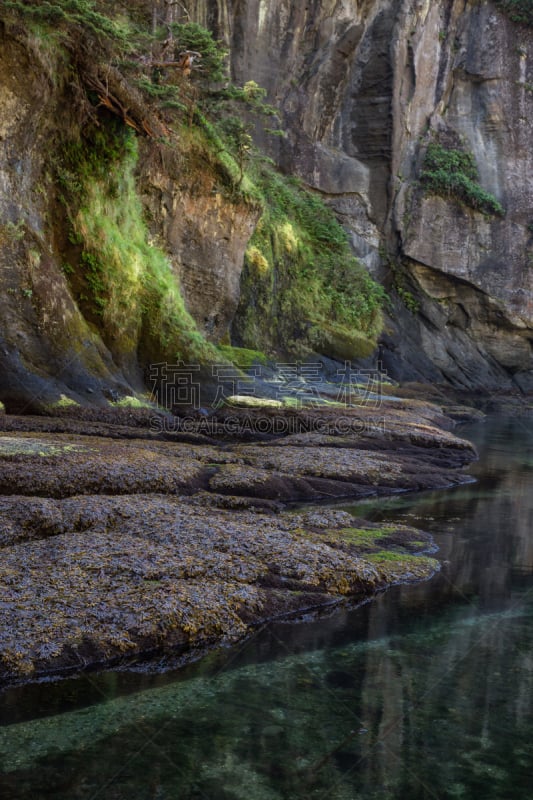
(302, 289)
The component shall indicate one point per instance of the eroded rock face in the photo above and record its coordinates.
(205, 236)
(46, 346)
(478, 268)
(363, 86)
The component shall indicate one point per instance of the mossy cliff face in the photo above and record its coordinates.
(127, 206)
(302, 288)
(116, 250)
(35, 295)
(205, 235)
(364, 89)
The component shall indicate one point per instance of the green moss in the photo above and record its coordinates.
(520, 11)
(11, 232)
(121, 277)
(400, 281)
(2, 408)
(416, 565)
(242, 356)
(339, 342)
(388, 555)
(452, 173)
(383, 543)
(364, 537)
(131, 402)
(62, 403)
(302, 288)
(210, 143)
(408, 299)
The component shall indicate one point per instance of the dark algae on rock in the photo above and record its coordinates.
(114, 548)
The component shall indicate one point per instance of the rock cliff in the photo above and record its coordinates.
(363, 87)
(56, 347)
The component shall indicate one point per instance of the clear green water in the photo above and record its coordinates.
(426, 692)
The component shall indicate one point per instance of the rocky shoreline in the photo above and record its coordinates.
(136, 533)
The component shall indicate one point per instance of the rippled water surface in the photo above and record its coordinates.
(426, 692)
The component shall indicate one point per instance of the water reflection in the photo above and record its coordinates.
(424, 693)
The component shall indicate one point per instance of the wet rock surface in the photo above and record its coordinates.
(114, 547)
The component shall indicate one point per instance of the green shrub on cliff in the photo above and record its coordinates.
(520, 11)
(73, 14)
(191, 36)
(452, 173)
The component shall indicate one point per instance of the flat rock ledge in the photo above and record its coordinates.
(119, 541)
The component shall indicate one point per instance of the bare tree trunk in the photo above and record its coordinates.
(166, 12)
(155, 9)
(176, 10)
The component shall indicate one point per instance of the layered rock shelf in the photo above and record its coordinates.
(120, 542)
